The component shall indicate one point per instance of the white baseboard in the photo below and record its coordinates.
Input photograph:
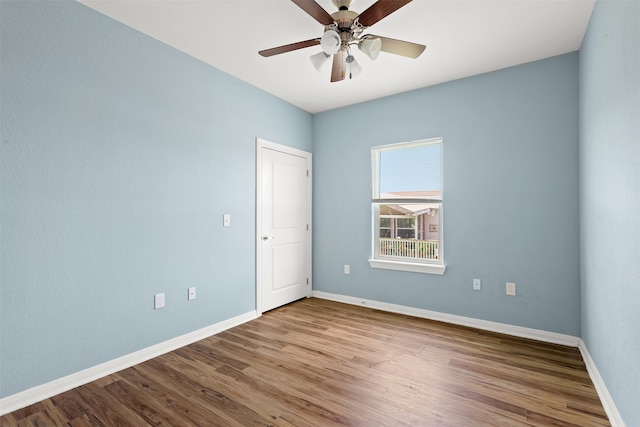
(45, 391)
(607, 402)
(503, 328)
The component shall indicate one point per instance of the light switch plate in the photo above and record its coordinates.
(477, 285)
(158, 301)
(226, 220)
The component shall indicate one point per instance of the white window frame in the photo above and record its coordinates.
(395, 263)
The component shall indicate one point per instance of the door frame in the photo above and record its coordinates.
(264, 144)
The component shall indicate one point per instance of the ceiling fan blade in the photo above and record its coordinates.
(315, 11)
(400, 47)
(339, 69)
(289, 47)
(379, 10)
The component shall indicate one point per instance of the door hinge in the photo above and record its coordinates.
(307, 172)
(307, 280)
(307, 227)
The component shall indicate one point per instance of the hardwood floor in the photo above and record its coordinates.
(321, 363)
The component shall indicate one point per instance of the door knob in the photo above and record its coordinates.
(266, 237)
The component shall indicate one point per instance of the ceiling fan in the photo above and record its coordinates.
(344, 29)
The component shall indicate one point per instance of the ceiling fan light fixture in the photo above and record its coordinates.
(370, 46)
(319, 59)
(330, 42)
(355, 69)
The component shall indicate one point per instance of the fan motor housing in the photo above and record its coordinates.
(344, 19)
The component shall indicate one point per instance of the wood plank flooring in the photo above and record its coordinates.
(321, 363)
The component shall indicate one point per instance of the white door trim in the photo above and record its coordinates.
(260, 145)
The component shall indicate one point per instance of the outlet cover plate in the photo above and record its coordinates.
(511, 289)
(477, 284)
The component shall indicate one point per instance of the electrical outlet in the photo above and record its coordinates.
(511, 289)
(477, 285)
(158, 301)
(347, 269)
(191, 294)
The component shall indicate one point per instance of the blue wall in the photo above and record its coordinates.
(119, 157)
(510, 161)
(610, 199)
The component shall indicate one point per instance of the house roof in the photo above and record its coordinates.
(409, 210)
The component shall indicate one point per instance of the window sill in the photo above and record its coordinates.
(408, 266)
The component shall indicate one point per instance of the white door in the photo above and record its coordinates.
(284, 225)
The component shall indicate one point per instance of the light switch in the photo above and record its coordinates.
(158, 301)
(226, 220)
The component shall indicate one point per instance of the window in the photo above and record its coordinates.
(407, 206)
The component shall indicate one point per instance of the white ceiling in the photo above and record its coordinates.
(463, 38)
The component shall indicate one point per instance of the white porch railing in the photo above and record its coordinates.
(409, 248)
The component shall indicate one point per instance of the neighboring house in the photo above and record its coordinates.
(411, 230)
